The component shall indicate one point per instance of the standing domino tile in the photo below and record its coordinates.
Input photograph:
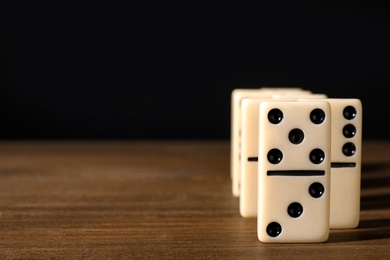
(249, 148)
(346, 154)
(236, 97)
(294, 171)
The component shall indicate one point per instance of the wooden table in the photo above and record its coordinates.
(155, 200)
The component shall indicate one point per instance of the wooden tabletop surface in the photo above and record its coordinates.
(156, 200)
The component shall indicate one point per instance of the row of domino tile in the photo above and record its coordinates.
(269, 166)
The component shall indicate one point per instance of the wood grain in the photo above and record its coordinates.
(156, 200)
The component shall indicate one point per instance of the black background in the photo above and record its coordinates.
(165, 70)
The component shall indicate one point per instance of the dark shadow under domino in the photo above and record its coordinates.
(296, 173)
